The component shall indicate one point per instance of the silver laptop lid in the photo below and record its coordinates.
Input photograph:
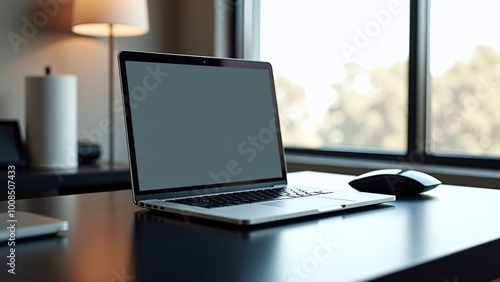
(199, 125)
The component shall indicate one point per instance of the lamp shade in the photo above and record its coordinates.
(94, 17)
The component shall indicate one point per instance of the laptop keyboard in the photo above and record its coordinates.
(247, 197)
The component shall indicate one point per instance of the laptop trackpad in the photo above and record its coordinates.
(310, 203)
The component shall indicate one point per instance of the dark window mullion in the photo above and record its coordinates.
(417, 79)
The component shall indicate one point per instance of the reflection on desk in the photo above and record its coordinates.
(451, 233)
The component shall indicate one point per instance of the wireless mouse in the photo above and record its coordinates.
(395, 182)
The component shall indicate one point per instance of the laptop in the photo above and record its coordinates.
(204, 140)
(20, 225)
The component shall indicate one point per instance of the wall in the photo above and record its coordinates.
(196, 27)
(179, 26)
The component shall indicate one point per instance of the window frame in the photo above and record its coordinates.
(417, 153)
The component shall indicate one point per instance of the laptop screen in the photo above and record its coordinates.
(201, 124)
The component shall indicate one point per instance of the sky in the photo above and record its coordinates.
(309, 42)
(458, 27)
(322, 33)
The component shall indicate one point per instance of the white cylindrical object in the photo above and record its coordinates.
(51, 121)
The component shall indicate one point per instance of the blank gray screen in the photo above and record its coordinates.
(198, 125)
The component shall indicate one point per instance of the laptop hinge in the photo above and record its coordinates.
(279, 186)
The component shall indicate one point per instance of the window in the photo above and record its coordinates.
(384, 79)
(341, 71)
(465, 77)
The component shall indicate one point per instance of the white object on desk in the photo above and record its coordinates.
(51, 121)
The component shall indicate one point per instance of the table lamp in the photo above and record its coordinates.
(110, 18)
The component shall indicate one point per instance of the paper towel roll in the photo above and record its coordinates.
(51, 121)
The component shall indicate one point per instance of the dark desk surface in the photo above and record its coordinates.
(450, 234)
